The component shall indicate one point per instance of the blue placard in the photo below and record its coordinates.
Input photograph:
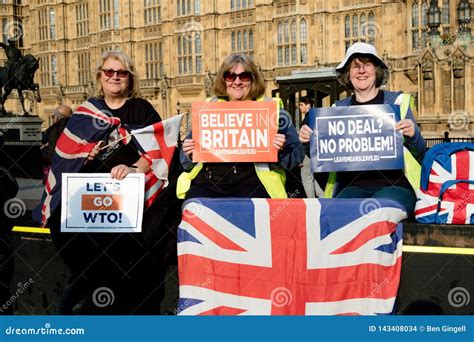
(356, 138)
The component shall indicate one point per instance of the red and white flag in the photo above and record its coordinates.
(158, 142)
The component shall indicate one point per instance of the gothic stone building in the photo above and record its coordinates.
(178, 46)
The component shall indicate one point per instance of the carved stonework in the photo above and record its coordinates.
(412, 75)
(208, 82)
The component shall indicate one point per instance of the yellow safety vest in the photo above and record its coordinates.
(412, 168)
(272, 180)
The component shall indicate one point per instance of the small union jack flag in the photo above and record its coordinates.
(289, 257)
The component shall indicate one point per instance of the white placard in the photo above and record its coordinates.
(94, 202)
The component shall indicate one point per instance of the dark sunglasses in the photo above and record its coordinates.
(111, 73)
(243, 76)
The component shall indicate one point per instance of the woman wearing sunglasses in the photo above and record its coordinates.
(363, 72)
(239, 80)
(127, 266)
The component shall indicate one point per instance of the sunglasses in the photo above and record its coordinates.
(243, 76)
(111, 73)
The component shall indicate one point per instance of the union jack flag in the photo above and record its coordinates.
(90, 124)
(289, 257)
(446, 192)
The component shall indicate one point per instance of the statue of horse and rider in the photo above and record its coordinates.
(18, 73)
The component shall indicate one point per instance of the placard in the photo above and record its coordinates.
(234, 131)
(94, 202)
(356, 138)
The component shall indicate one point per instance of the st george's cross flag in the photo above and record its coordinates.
(289, 256)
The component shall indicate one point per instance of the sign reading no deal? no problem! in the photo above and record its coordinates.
(234, 131)
(356, 138)
(94, 202)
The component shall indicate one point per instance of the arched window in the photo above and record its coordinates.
(424, 11)
(372, 26)
(303, 31)
(280, 33)
(198, 44)
(52, 24)
(347, 26)
(239, 40)
(233, 41)
(303, 41)
(363, 27)
(251, 41)
(246, 39)
(232, 4)
(355, 26)
(293, 30)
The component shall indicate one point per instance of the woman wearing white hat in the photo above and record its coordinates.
(363, 72)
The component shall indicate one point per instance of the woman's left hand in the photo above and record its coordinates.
(407, 127)
(279, 141)
(121, 171)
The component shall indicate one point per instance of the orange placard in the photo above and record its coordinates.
(234, 131)
(102, 202)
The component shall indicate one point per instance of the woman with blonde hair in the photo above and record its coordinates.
(128, 266)
(238, 79)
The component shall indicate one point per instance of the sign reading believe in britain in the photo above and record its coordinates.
(356, 138)
(235, 131)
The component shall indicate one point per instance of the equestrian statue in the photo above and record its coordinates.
(18, 73)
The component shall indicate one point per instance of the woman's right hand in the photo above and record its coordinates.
(305, 134)
(95, 151)
(188, 147)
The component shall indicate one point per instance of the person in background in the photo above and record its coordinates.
(51, 135)
(363, 72)
(239, 80)
(311, 187)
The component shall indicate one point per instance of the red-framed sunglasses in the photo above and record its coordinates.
(243, 76)
(111, 73)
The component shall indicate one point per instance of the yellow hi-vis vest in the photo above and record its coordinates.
(272, 180)
(412, 168)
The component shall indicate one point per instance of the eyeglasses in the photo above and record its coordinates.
(112, 72)
(243, 76)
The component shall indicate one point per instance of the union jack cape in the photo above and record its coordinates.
(289, 257)
(90, 124)
(446, 194)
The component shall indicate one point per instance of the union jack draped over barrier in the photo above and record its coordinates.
(91, 124)
(289, 257)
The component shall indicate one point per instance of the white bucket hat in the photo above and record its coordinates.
(365, 50)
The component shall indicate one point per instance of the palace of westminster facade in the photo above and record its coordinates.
(178, 45)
